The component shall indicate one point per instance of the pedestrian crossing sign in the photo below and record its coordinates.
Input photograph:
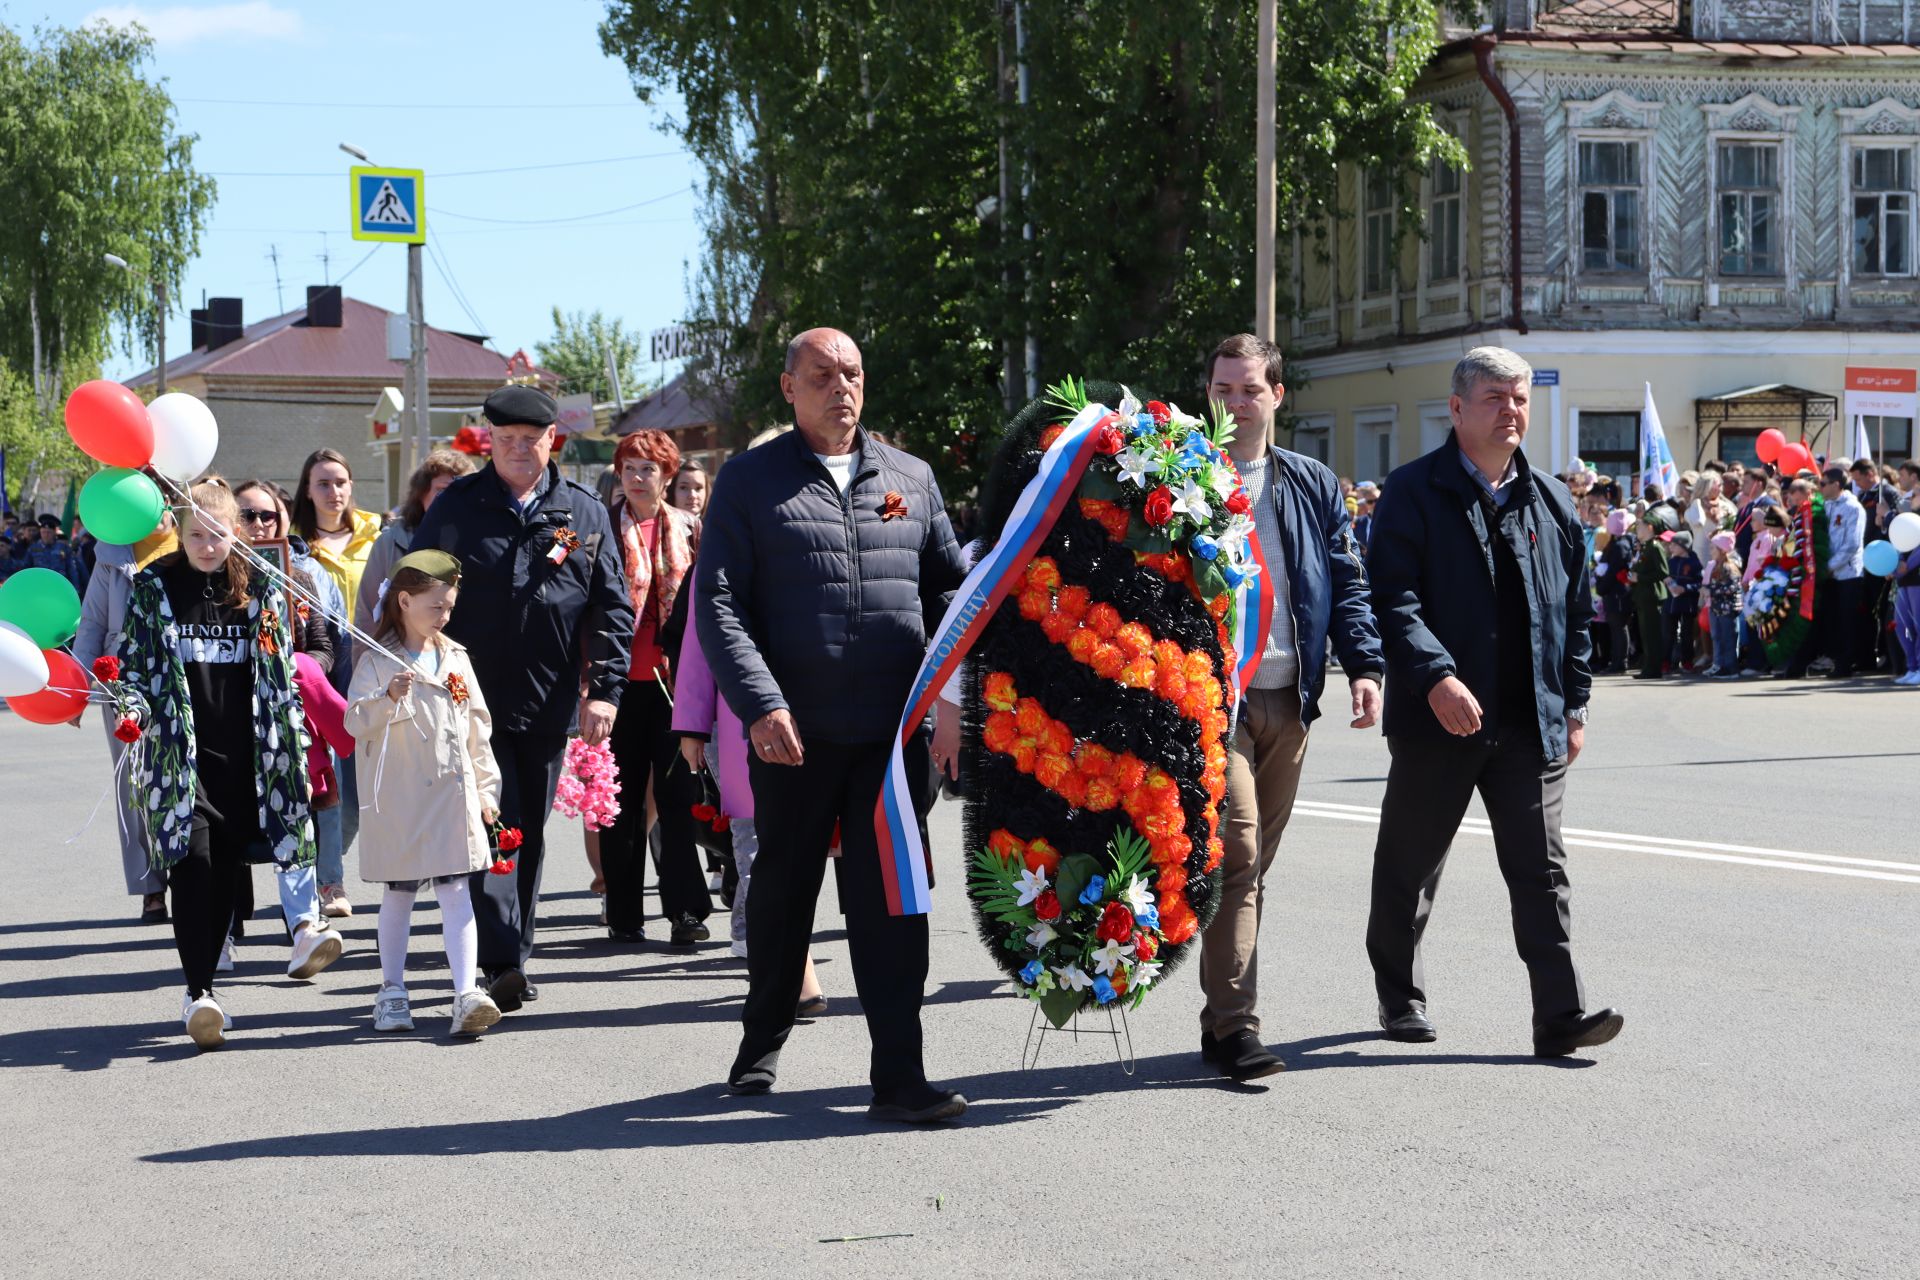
(389, 205)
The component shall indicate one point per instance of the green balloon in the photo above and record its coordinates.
(121, 505)
(43, 604)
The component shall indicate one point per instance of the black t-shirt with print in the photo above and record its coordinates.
(215, 645)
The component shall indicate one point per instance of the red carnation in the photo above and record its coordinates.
(1107, 439)
(1161, 414)
(1145, 946)
(106, 667)
(722, 822)
(1116, 925)
(511, 839)
(1239, 503)
(128, 729)
(1159, 506)
(705, 812)
(501, 866)
(1047, 905)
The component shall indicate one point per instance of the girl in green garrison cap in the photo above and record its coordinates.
(430, 789)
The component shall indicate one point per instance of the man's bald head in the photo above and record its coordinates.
(826, 386)
(829, 343)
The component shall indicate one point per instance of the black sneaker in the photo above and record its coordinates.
(689, 929)
(1240, 1056)
(508, 989)
(924, 1105)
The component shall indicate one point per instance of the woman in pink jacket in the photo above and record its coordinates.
(700, 714)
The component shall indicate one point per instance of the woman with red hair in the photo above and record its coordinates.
(658, 544)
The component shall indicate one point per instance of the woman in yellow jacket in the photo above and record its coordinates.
(340, 537)
(421, 732)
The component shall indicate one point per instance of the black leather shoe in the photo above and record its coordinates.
(1209, 1048)
(752, 1076)
(925, 1105)
(531, 994)
(153, 909)
(1409, 1026)
(1558, 1037)
(1241, 1056)
(626, 935)
(508, 989)
(689, 929)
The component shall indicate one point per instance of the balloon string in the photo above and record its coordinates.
(273, 571)
(120, 772)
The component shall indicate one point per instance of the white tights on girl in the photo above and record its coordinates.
(457, 929)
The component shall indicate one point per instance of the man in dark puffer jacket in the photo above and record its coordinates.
(825, 560)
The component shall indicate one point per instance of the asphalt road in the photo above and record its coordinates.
(1756, 1118)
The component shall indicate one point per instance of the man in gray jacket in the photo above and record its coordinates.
(825, 560)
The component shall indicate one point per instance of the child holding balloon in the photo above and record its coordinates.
(220, 766)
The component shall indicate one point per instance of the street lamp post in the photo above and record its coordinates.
(160, 318)
(1263, 200)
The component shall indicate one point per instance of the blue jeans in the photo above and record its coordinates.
(299, 896)
(335, 828)
(1726, 654)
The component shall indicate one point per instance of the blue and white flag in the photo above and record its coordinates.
(1656, 458)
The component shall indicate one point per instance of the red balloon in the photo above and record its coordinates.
(64, 697)
(1793, 458)
(110, 424)
(1767, 447)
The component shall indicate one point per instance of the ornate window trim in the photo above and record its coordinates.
(1753, 119)
(1615, 117)
(1427, 290)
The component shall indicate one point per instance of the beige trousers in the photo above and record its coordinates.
(1263, 773)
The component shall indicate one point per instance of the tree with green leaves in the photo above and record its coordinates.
(578, 349)
(869, 167)
(91, 163)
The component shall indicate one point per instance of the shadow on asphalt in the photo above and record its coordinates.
(1301, 1055)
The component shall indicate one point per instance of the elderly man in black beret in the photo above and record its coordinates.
(543, 599)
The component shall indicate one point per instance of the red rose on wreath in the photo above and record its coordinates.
(1161, 414)
(1159, 506)
(1116, 925)
(1107, 437)
(106, 667)
(1145, 946)
(1239, 503)
(1047, 905)
(128, 730)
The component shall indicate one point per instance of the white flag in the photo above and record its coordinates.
(1656, 459)
(1861, 449)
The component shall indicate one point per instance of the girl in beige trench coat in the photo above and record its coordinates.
(421, 731)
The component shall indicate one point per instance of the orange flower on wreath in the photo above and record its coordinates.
(1042, 856)
(998, 691)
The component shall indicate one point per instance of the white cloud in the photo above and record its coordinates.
(182, 24)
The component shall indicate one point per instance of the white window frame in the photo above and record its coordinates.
(1909, 239)
(1777, 195)
(1319, 427)
(1370, 424)
(1429, 290)
(1436, 422)
(1615, 117)
(1754, 120)
(1389, 219)
(1884, 124)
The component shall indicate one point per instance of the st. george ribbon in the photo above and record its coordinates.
(903, 862)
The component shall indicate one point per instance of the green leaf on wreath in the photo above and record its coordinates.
(1061, 1005)
(1096, 483)
(1074, 874)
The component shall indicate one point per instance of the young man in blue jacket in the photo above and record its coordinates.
(1480, 585)
(1318, 579)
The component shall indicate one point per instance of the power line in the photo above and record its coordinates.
(419, 106)
(453, 287)
(548, 222)
(363, 262)
(458, 173)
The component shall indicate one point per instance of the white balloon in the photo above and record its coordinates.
(23, 668)
(1904, 532)
(184, 436)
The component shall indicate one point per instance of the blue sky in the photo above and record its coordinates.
(445, 87)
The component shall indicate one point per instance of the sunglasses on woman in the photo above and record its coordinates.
(254, 515)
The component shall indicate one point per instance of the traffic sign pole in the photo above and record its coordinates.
(417, 366)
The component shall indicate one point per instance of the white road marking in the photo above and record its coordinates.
(1699, 850)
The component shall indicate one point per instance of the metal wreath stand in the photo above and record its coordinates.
(1117, 1027)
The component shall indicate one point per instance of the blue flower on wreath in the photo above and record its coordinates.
(1147, 917)
(1205, 547)
(1096, 889)
(1198, 446)
(1103, 992)
(1031, 974)
(1143, 424)
(1232, 573)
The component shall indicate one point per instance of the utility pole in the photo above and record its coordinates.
(1026, 191)
(1264, 219)
(160, 335)
(417, 394)
(1009, 360)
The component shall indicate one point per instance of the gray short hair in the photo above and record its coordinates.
(1489, 364)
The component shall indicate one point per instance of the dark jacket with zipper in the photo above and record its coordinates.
(534, 629)
(1436, 596)
(1326, 576)
(817, 601)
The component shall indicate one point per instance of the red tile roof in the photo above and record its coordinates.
(287, 347)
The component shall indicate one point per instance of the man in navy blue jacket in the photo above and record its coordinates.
(825, 560)
(1480, 585)
(1319, 588)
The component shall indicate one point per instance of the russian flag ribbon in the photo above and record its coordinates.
(1253, 615)
(903, 861)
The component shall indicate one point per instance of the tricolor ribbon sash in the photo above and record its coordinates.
(1252, 617)
(903, 861)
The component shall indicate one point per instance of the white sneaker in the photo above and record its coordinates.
(204, 1020)
(714, 882)
(314, 948)
(225, 963)
(473, 1012)
(391, 1012)
(738, 951)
